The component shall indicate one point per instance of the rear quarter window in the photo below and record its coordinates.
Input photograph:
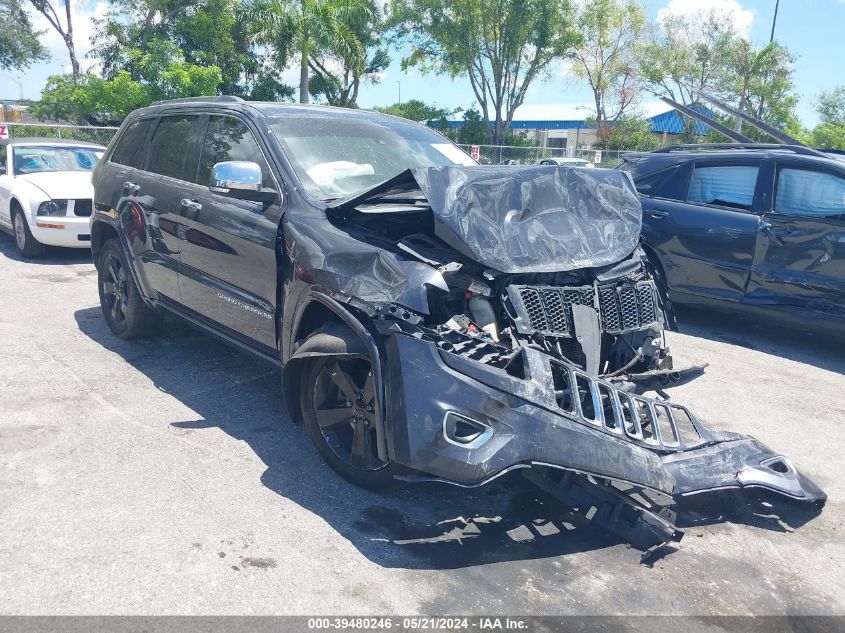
(132, 145)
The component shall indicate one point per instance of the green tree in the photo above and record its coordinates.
(338, 79)
(206, 32)
(52, 12)
(312, 28)
(830, 132)
(19, 45)
(416, 110)
(630, 133)
(93, 100)
(759, 81)
(474, 130)
(685, 55)
(501, 46)
(606, 56)
(831, 106)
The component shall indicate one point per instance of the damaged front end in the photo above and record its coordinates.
(520, 327)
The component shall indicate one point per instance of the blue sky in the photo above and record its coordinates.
(812, 29)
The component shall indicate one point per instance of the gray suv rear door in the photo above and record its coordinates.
(800, 255)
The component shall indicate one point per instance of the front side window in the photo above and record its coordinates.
(810, 193)
(670, 183)
(131, 148)
(44, 158)
(172, 148)
(724, 185)
(336, 157)
(229, 139)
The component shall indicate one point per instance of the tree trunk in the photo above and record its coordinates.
(303, 75)
(71, 49)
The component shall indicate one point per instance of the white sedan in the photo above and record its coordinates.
(46, 193)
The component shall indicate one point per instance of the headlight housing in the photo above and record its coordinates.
(52, 207)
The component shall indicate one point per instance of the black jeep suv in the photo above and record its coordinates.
(434, 319)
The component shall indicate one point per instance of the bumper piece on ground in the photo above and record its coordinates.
(602, 450)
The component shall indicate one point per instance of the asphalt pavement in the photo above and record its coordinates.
(162, 476)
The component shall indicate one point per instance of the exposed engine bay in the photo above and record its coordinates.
(521, 298)
(607, 320)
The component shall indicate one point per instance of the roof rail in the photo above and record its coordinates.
(796, 149)
(214, 99)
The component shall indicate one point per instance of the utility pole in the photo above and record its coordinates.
(399, 84)
(774, 21)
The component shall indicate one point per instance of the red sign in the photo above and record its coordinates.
(4, 132)
(475, 152)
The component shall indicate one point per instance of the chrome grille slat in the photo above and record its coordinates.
(612, 419)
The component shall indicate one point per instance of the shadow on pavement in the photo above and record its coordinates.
(55, 255)
(424, 526)
(767, 333)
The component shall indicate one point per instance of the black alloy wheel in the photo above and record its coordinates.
(115, 289)
(124, 309)
(339, 408)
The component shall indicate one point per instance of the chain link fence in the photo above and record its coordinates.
(89, 134)
(506, 154)
(488, 154)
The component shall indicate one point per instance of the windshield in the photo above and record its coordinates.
(335, 157)
(43, 158)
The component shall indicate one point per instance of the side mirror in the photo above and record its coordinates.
(240, 179)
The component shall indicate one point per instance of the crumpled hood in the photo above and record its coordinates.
(542, 218)
(534, 219)
(62, 185)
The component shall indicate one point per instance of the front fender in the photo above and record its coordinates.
(343, 336)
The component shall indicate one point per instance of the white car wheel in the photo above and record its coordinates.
(27, 244)
(20, 231)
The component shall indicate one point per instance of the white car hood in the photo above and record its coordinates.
(62, 185)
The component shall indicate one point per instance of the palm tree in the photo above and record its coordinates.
(310, 27)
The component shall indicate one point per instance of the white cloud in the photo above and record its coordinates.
(741, 17)
(83, 30)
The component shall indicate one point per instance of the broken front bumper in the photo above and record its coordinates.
(464, 422)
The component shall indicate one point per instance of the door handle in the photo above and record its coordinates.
(766, 227)
(657, 214)
(131, 188)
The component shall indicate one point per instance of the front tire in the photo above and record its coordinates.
(337, 395)
(124, 309)
(27, 245)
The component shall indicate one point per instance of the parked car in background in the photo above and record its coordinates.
(435, 320)
(751, 225)
(568, 161)
(46, 192)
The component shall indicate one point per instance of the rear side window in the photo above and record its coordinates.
(131, 148)
(173, 150)
(810, 193)
(724, 185)
(228, 139)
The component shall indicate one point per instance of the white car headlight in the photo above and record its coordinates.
(52, 207)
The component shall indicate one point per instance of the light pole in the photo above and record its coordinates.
(774, 21)
(399, 85)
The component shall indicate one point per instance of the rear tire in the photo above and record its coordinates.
(124, 310)
(28, 246)
(338, 409)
